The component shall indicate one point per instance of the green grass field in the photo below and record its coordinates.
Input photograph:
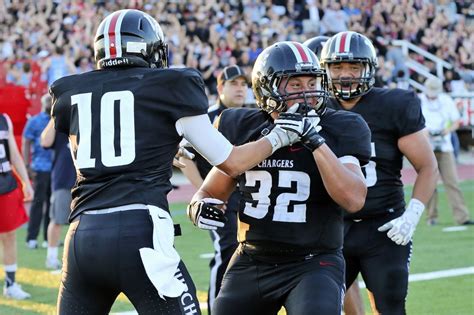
(434, 250)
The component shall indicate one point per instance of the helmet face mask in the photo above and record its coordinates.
(352, 48)
(280, 64)
(130, 38)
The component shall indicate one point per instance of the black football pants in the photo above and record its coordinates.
(304, 287)
(224, 241)
(383, 264)
(102, 259)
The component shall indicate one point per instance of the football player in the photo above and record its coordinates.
(377, 239)
(231, 88)
(316, 44)
(353, 300)
(124, 122)
(290, 217)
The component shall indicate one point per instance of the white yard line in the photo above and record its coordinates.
(412, 278)
(436, 275)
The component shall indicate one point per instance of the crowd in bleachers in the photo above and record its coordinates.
(211, 34)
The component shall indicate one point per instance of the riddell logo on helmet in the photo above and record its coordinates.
(115, 62)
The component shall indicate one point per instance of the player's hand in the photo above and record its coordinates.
(205, 215)
(401, 229)
(182, 152)
(308, 129)
(280, 137)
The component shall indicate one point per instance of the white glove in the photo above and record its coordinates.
(205, 215)
(280, 137)
(314, 119)
(401, 229)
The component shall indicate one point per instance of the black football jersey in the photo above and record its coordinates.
(390, 114)
(121, 127)
(283, 197)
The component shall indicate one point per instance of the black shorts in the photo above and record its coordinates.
(102, 259)
(314, 285)
(383, 264)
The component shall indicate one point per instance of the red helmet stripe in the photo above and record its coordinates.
(301, 51)
(342, 42)
(111, 32)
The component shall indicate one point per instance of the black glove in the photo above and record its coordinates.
(205, 215)
(307, 128)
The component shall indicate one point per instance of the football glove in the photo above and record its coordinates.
(401, 229)
(307, 128)
(280, 137)
(205, 215)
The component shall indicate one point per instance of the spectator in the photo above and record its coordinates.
(63, 176)
(335, 19)
(442, 118)
(41, 169)
(57, 66)
(12, 212)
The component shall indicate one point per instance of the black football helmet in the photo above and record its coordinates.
(130, 38)
(316, 44)
(285, 60)
(350, 47)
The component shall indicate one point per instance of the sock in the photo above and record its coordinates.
(10, 271)
(52, 253)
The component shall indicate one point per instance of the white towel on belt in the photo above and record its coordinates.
(161, 262)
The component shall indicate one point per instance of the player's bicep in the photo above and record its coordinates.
(209, 142)
(416, 147)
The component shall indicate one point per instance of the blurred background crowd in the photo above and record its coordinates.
(43, 40)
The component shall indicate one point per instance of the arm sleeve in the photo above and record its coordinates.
(209, 142)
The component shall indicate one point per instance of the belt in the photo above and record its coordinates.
(134, 206)
(130, 207)
(277, 254)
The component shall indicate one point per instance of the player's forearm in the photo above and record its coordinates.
(216, 185)
(244, 157)
(345, 184)
(425, 183)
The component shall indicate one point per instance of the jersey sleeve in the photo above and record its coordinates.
(408, 116)
(356, 141)
(59, 110)
(190, 99)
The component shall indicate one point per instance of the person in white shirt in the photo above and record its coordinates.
(442, 118)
